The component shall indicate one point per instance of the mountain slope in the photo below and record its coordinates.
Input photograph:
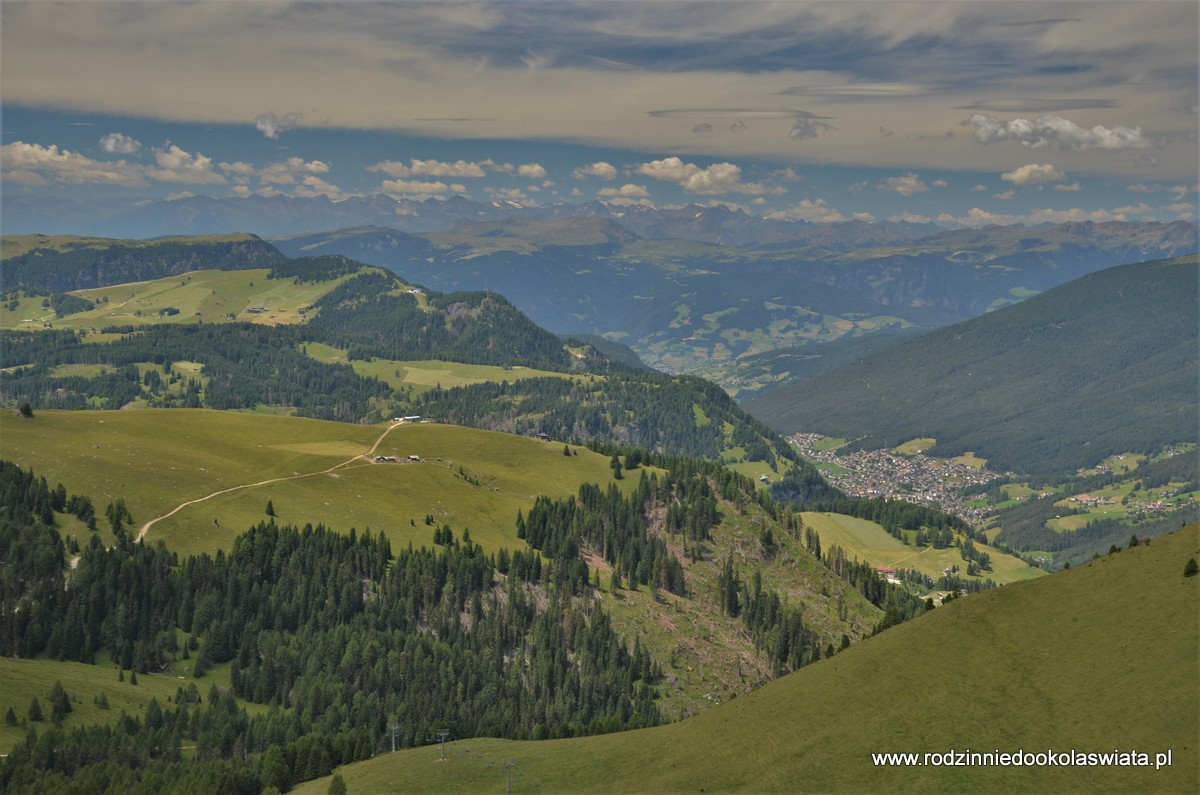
(1009, 670)
(709, 297)
(1100, 366)
(66, 263)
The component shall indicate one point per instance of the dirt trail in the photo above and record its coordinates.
(367, 455)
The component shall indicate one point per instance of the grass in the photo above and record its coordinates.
(26, 679)
(868, 541)
(971, 460)
(915, 446)
(214, 296)
(16, 245)
(1016, 669)
(157, 460)
(422, 376)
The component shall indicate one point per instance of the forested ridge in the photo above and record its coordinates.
(81, 263)
(1103, 365)
(340, 636)
(373, 314)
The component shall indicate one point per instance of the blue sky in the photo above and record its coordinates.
(960, 113)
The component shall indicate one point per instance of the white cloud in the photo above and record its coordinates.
(599, 169)
(271, 125)
(977, 217)
(531, 171)
(1051, 130)
(509, 194)
(27, 163)
(979, 189)
(238, 168)
(176, 165)
(34, 161)
(864, 217)
(905, 184)
(939, 183)
(714, 180)
(1034, 174)
(1073, 187)
(183, 194)
(240, 191)
(313, 185)
(815, 210)
(428, 168)
(287, 172)
(422, 188)
(1185, 210)
(1005, 195)
(120, 144)
(628, 191)
(1141, 188)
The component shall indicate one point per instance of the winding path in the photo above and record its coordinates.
(367, 455)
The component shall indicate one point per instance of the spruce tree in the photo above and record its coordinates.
(35, 709)
(1191, 568)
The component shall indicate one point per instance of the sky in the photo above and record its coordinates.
(958, 113)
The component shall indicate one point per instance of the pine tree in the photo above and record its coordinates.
(35, 709)
(26, 410)
(270, 509)
(337, 785)
(10, 717)
(1191, 569)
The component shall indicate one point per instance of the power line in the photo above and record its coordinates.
(508, 766)
(442, 736)
(392, 725)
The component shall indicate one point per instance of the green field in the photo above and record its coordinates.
(915, 446)
(213, 296)
(868, 541)
(26, 679)
(159, 460)
(423, 376)
(1016, 670)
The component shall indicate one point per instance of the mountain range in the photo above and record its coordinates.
(1103, 365)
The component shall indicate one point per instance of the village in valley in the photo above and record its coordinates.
(888, 474)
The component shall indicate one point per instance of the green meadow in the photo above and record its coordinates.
(868, 541)
(27, 679)
(310, 470)
(213, 296)
(422, 376)
(1008, 670)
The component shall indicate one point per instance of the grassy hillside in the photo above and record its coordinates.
(58, 263)
(311, 471)
(1013, 669)
(421, 376)
(26, 679)
(870, 542)
(1100, 366)
(209, 296)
